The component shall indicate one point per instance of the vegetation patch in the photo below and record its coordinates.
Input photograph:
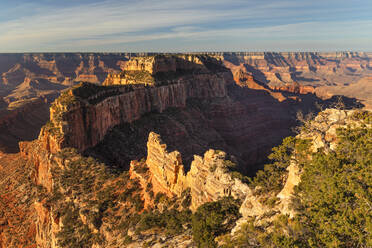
(333, 200)
(213, 219)
(273, 177)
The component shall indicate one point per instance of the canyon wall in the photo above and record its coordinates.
(27, 79)
(45, 75)
(81, 121)
(321, 73)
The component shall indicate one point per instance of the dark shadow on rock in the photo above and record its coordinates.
(346, 102)
(246, 125)
(257, 74)
(22, 124)
(296, 77)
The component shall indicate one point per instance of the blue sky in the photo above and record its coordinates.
(185, 25)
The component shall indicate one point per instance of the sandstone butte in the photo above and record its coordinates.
(82, 116)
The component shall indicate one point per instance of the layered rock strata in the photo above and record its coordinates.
(25, 76)
(81, 121)
(209, 178)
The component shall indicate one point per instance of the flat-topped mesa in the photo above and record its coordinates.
(164, 69)
(164, 63)
(209, 178)
(81, 116)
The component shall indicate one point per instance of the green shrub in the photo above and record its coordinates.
(171, 221)
(211, 220)
(274, 175)
(334, 197)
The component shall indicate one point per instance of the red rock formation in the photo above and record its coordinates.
(166, 168)
(82, 123)
(295, 88)
(35, 153)
(209, 177)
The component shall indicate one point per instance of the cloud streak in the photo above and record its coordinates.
(116, 25)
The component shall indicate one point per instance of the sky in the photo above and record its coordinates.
(185, 25)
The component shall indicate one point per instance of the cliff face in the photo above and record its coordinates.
(81, 121)
(302, 72)
(26, 77)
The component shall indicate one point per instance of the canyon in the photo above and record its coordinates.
(28, 79)
(159, 125)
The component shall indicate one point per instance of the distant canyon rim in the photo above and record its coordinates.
(30, 82)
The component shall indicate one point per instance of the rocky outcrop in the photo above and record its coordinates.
(39, 158)
(321, 134)
(47, 226)
(167, 171)
(209, 179)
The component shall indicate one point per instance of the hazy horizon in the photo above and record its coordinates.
(189, 52)
(42, 26)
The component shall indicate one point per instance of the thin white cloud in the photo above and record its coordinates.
(308, 29)
(101, 25)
